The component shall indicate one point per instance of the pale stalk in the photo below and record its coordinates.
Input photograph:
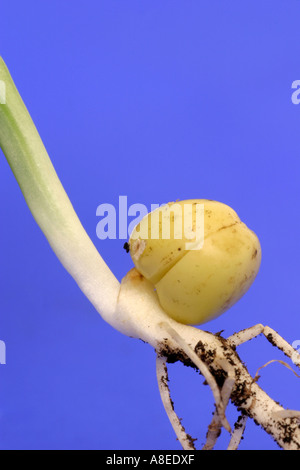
(49, 203)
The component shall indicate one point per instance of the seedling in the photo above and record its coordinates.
(135, 308)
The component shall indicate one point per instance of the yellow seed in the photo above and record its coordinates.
(196, 283)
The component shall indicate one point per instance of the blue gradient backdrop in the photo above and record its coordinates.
(156, 100)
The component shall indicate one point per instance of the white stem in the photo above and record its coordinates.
(49, 203)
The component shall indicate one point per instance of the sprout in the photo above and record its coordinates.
(198, 273)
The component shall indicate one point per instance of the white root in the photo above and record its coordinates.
(203, 369)
(272, 336)
(162, 379)
(287, 414)
(214, 429)
(272, 361)
(238, 432)
(139, 314)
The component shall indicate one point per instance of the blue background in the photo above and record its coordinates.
(156, 100)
